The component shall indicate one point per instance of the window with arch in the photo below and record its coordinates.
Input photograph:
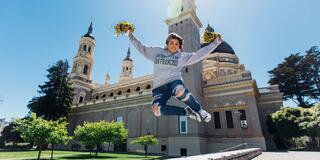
(119, 93)
(97, 97)
(85, 47)
(85, 69)
(75, 67)
(128, 91)
(148, 86)
(138, 89)
(223, 72)
(82, 95)
(89, 49)
(80, 99)
(104, 95)
(111, 94)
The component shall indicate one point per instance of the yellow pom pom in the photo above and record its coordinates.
(209, 37)
(123, 27)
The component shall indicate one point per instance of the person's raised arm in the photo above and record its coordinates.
(148, 52)
(194, 57)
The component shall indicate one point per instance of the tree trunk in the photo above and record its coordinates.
(146, 151)
(302, 102)
(52, 145)
(97, 150)
(313, 141)
(13, 145)
(109, 147)
(39, 153)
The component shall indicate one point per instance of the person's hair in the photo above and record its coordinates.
(175, 36)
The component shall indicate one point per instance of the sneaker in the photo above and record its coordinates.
(192, 114)
(205, 115)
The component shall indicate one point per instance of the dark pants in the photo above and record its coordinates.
(163, 93)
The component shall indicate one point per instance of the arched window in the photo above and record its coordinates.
(85, 47)
(138, 89)
(85, 69)
(104, 95)
(89, 49)
(119, 93)
(97, 97)
(111, 94)
(82, 96)
(128, 91)
(148, 86)
(80, 99)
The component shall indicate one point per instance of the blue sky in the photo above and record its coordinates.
(34, 34)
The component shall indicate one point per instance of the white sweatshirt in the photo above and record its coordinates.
(167, 66)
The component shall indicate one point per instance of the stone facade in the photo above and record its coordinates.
(222, 85)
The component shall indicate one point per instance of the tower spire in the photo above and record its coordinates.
(127, 66)
(128, 55)
(89, 33)
(209, 28)
(90, 28)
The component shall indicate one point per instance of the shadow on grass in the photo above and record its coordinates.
(111, 157)
(77, 157)
(86, 157)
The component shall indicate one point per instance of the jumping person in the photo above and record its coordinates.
(168, 82)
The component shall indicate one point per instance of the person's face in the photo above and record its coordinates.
(173, 46)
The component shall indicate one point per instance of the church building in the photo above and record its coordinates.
(221, 83)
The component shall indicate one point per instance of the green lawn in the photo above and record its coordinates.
(67, 155)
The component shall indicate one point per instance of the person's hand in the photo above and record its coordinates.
(129, 32)
(218, 40)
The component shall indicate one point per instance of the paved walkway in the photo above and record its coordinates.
(243, 154)
(290, 155)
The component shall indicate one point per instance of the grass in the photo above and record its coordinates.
(67, 155)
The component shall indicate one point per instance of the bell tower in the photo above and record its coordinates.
(127, 65)
(184, 21)
(81, 73)
(83, 60)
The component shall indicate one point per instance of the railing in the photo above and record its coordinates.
(118, 97)
(244, 145)
(230, 78)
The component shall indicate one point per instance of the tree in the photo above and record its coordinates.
(9, 135)
(294, 80)
(145, 141)
(284, 126)
(42, 132)
(310, 122)
(58, 134)
(55, 97)
(312, 59)
(97, 133)
(118, 133)
(34, 130)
